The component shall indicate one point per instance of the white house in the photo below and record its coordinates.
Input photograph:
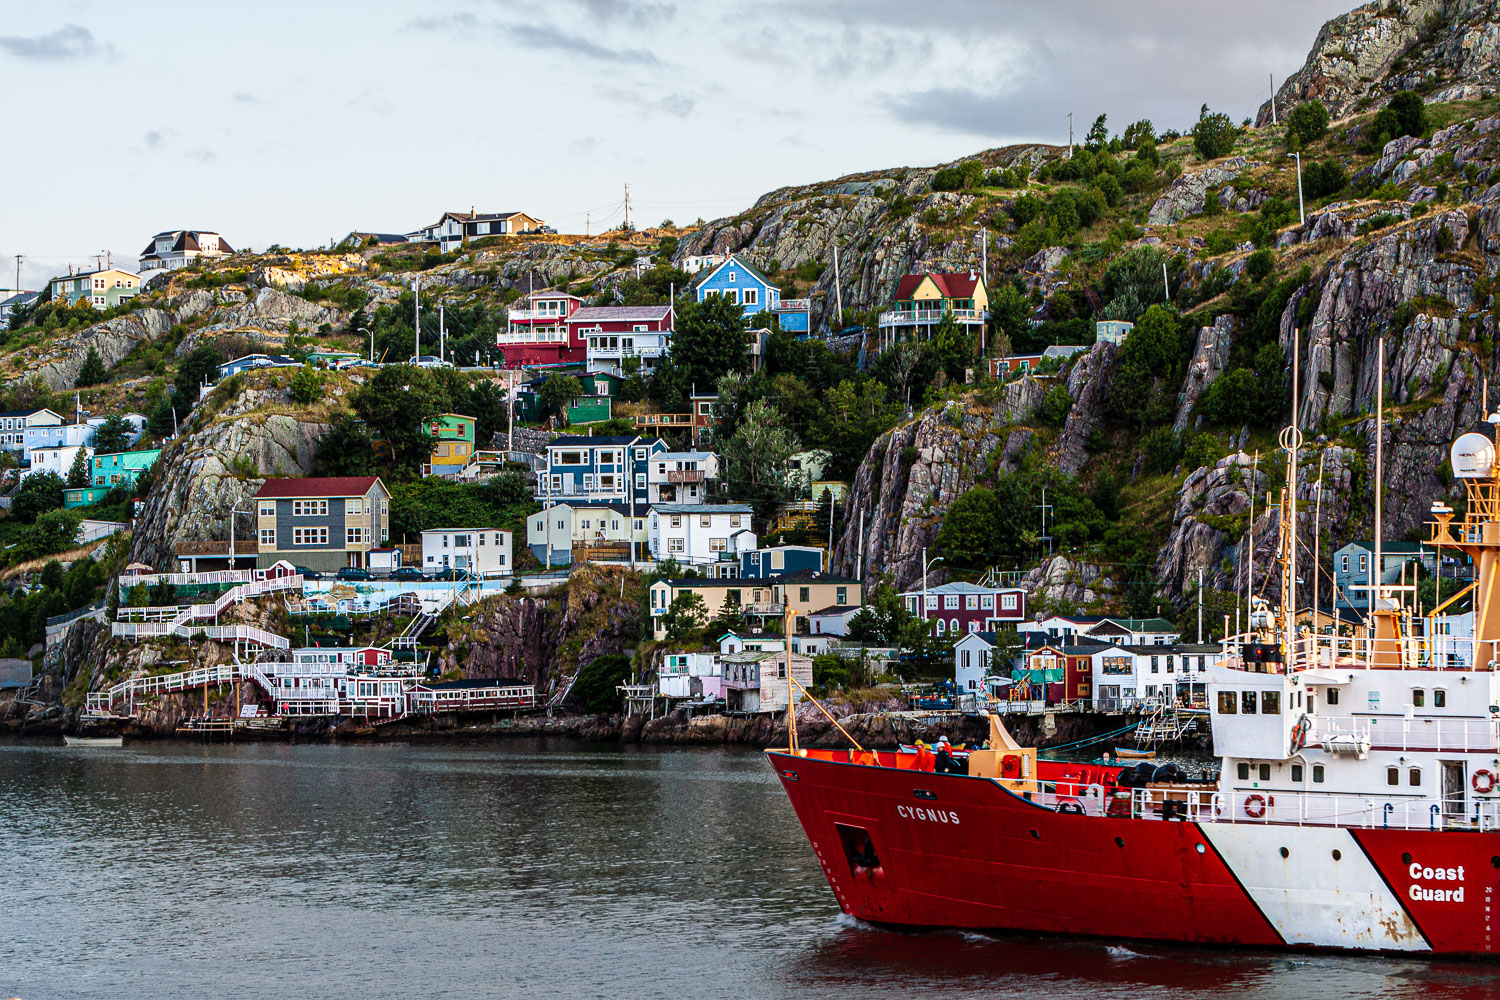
(1133, 676)
(1098, 628)
(691, 675)
(55, 436)
(832, 621)
(15, 423)
(700, 534)
(58, 460)
(733, 642)
(813, 645)
(484, 551)
(176, 248)
(680, 477)
(974, 669)
(694, 263)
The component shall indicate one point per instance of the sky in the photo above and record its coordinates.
(297, 122)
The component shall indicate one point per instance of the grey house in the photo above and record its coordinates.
(1352, 568)
(322, 524)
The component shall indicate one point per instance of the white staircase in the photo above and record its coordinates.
(179, 620)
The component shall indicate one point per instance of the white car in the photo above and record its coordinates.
(429, 361)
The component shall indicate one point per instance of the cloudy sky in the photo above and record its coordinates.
(295, 122)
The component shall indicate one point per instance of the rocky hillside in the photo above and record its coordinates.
(1446, 49)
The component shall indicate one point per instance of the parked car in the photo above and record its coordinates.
(408, 573)
(430, 361)
(547, 230)
(353, 573)
(449, 573)
(308, 574)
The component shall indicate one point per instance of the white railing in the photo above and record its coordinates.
(928, 317)
(215, 577)
(1341, 652)
(182, 616)
(101, 702)
(1416, 733)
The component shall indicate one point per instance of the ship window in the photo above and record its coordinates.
(1247, 702)
(1265, 772)
(1227, 704)
(1270, 702)
(1418, 697)
(1317, 774)
(1297, 774)
(1333, 696)
(1244, 771)
(1439, 698)
(1414, 777)
(1393, 776)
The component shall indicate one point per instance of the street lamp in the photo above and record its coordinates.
(232, 512)
(926, 565)
(372, 342)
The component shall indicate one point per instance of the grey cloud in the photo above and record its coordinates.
(539, 36)
(67, 43)
(680, 105)
(241, 97)
(633, 12)
(154, 139)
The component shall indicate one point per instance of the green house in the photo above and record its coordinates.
(85, 496)
(123, 467)
(332, 359)
(595, 404)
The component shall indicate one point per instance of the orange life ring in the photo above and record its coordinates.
(1484, 786)
(1255, 806)
(1299, 734)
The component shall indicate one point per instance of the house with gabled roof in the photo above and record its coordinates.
(452, 228)
(176, 248)
(536, 330)
(957, 608)
(742, 283)
(323, 523)
(613, 333)
(922, 301)
(102, 289)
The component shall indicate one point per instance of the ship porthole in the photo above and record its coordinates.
(1035, 835)
(1199, 848)
(1119, 841)
(1406, 859)
(1285, 853)
(1495, 862)
(1338, 855)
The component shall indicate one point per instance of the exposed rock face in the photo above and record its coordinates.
(115, 338)
(1089, 383)
(212, 470)
(1355, 58)
(914, 472)
(1209, 359)
(1187, 193)
(1060, 580)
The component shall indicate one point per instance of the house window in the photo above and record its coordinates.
(804, 594)
(675, 545)
(1155, 665)
(676, 520)
(734, 295)
(940, 626)
(841, 596)
(309, 508)
(971, 602)
(973, 627)
(309, 536)
(718, 544)
(751, 297)
(354, 506)
(1008, 602)
(953, 626)
(987, 602)
(930, 602)
(354, 536)
(1364, 563)
(734, 520)
(704, 520)
(950, 602)
(1343, 564)
(268, 538)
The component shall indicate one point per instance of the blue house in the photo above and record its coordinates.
(774, 560)
(1352, 576)
(603, 469)
(743, 284)
(795, 316)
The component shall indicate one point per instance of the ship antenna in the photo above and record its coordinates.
(1291, 440)
(1376, 569)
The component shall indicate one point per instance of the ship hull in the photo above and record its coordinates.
(917, 849)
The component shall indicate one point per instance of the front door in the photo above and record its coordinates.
(1453, 789)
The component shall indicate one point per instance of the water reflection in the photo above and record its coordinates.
(535, 868)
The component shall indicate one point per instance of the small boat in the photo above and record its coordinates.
(1125, 753)
(94, 741)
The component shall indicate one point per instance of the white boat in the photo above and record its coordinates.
(94, 741)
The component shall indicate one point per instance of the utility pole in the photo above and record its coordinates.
(18, 272)
(416, 319)
(1070, 135)
(1045, 508)
(1165, 284)
(627, 206)
(925, 565)
(1272, 78)
(859, 563)
(442, 333)
(830, 527)
(838, 292)
(1200, 605)
(1301, 213)
(547, 514)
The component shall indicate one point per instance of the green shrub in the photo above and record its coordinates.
(1054, 407)
(1260, 264)
(1214, 135)
(1307, 123)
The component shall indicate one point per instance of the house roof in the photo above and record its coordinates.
(449, 531)
(102, 270)
(619, 314)
(702, 508)
(751, 269)
(575, 440)
(20, 299)
(313, 486)
(478, 682)
(809, 576)
(958, 587)
(29, 413)
(186, 240)
(1391, 548)
(1153, 625)
(1064, 350)
(950, 284)
(681, 456)
(836, 611)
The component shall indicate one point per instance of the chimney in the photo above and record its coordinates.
(471, 211)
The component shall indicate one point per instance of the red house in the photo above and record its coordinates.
(536, 331)
(610, 334)
(960, 608)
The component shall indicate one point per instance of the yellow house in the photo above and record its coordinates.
(766, 599)
(925, 300)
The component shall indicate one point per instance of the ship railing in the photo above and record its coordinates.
(1437, 733)
(1344, 809)
(1264, 654)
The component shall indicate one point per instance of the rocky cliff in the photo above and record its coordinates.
(1446, 49)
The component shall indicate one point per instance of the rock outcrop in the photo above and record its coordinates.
(1187, 193)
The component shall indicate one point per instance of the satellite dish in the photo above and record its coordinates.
(1473, 456)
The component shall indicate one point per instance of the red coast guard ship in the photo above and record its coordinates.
(1356, 807)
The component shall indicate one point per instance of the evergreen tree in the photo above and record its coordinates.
(92, 371)
(111, 436)
(80, 473)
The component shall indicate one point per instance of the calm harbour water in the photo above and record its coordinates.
(529, 869)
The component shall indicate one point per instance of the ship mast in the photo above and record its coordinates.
(1472, 458)
(1291, 442)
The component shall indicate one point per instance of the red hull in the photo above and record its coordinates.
(964, 852)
